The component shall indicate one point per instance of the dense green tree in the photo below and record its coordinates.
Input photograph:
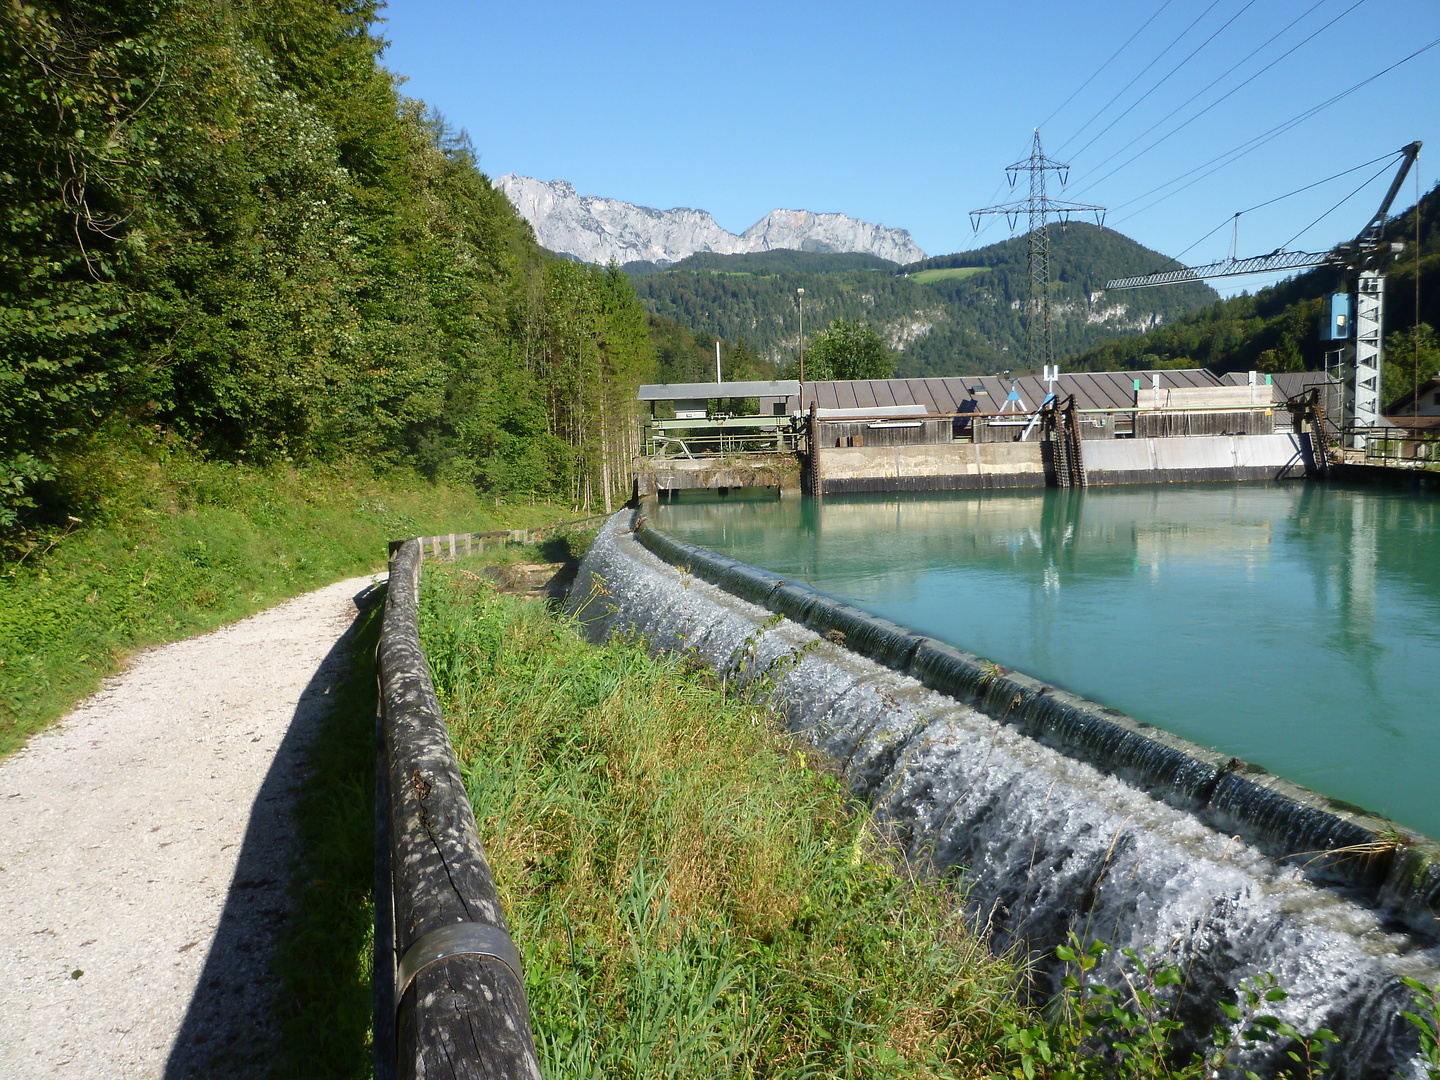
(219, 218)
(848, 350)
(1412, 359)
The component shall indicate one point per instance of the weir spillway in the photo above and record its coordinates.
(1057, 815)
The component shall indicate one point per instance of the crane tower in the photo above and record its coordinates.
(1355, 317)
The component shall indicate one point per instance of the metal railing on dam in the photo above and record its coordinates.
(1059, 815)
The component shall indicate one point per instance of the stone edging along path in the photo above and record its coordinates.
(145, 852)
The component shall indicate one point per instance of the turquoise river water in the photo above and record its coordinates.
(1296, 626)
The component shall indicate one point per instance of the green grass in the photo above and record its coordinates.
(953, 273)
(166, 546)
(693, 897)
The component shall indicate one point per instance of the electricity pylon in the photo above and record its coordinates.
(1039, 207)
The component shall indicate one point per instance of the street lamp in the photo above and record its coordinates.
(800, 299)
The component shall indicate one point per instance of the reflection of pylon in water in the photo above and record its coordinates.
(1038, 208)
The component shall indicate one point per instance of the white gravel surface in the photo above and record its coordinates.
(145, 852)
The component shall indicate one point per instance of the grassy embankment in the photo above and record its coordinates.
(693, 898)
(166, 546)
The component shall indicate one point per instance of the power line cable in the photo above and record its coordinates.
(1337, 206)
(1165, 78)
(1202, 239)
(1234, 154)
(1139, 76)
(1213, 83)
(1387, 158)
(1177, 128)
(1107, 63)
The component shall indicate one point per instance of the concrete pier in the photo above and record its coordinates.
(656, 475)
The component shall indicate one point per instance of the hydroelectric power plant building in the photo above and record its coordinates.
(949, 434)
(1059, 814)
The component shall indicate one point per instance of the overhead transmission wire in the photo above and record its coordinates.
(990, 221)
(1107, 63)
(1055, 112)
(1387, 158)
(1101, 111)
(1218, 100)
(1383, 169)
(1235, 153)
(1165, 78)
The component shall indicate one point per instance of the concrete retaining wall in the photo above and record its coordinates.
(1208, 457)
(940, 467)
(965, 466)
(1414, 479)
(742, 470)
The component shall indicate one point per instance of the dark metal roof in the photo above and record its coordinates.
(1413, 423)
(704, 391)
(1287, 383)
(1092, 390)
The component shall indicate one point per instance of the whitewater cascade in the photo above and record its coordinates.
(1043, 842)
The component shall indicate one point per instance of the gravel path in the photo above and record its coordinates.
(144, 853)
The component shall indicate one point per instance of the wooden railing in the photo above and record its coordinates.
(454, 545)
(449, 987)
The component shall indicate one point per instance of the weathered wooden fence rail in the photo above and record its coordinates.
(456, 544)
(455, 1005)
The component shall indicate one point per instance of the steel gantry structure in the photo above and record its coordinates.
(1358, 322)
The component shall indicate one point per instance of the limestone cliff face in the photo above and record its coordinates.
(806, 231)
(598, 229)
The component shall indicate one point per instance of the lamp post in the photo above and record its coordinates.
(800, 299)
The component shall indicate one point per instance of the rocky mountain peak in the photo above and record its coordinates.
(597, 229)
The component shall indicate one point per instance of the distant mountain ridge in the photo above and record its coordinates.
(955, 314)
(597, 230)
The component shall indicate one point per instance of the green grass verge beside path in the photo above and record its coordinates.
(693, 898)
(696, 897)
(175, 547)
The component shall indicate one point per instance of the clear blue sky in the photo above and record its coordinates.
(907, 114)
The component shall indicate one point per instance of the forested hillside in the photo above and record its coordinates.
(957, 314)
(1276, 329)
(223, 230)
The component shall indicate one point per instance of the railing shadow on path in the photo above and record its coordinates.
(230, 1027)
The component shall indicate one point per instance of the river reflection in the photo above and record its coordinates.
(1293, 625)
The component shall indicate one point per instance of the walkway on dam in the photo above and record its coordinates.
(145, 852)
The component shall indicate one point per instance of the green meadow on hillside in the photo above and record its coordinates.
(953, 273)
